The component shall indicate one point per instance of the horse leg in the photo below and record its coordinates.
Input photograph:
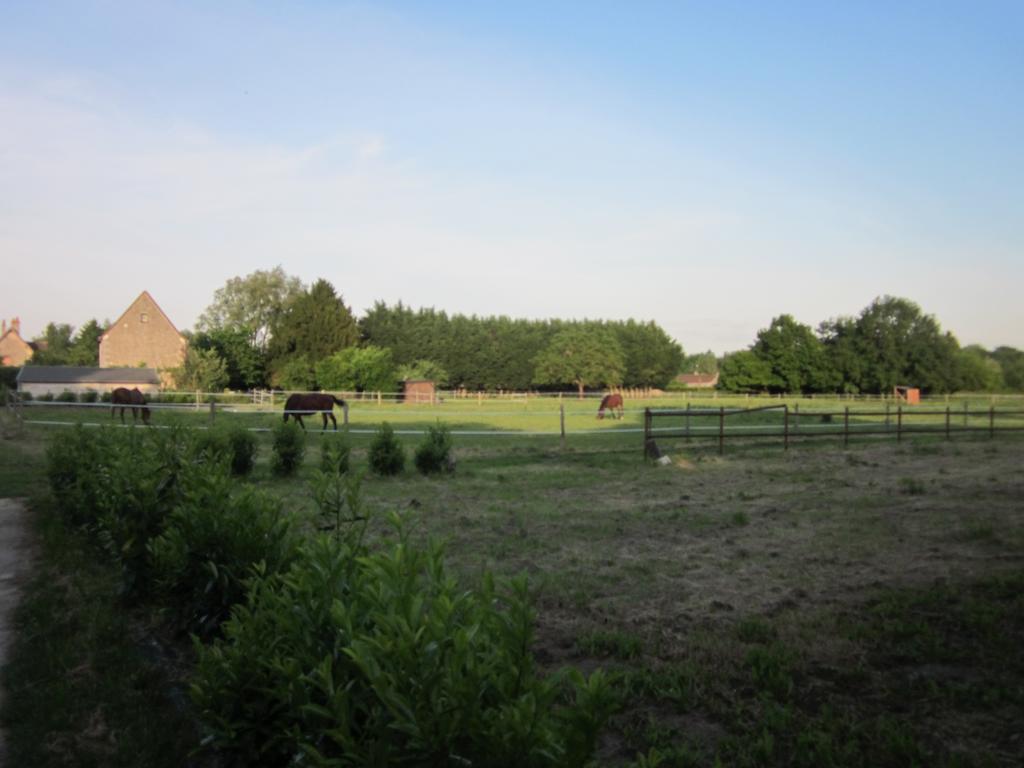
(298, 418)
(334, 421)
(323, 415)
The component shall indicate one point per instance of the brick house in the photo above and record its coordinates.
(698, 380)
(143, 337)
(14, 350)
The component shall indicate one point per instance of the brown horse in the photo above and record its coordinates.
(129, 398)
(307, 403)
(613, 403)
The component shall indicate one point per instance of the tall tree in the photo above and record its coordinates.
(85, 349)
(583, 357)
(55, 345)
(315, 325)
(203, 370)
(253, 302)
(1011, 361)
(246, 364)
(652, 358)
(795, 356)
(978, 371)
(702, 362)
(745, 372)
(358, 369)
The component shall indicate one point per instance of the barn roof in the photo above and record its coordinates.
(76, 374)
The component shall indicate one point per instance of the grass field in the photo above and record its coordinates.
(813, 607)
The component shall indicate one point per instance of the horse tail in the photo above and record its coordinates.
(338, 401)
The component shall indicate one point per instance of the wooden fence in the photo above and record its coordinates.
(791, 424)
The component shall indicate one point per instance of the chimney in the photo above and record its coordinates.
(2, 332)
(16, 325)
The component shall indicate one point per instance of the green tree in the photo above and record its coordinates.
(246, 364)
(294, 375)
(316, 324)
(978, 371)
(900, 345)
(795, 356)
(584, 357)
(1011, 361)
(745, 372)
(203, 370)
(651, 357)
(423, 370)
(358, 369)
(85, 349)
(54, 345)
(254, 302)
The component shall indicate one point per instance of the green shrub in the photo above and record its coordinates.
(386, 454)
(334, 455)
(434, 454)
(74, 470)
(212, 544)
(25, 397)
(243, 445)
(67, 397)
(289, 448)
(106, 397)
(89, 396)
(379, 658)
(211, 445)
(46, 397)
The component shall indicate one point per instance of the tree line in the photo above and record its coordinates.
(268, 329)
(891, 343)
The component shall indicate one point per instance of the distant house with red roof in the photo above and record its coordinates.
(698, 380)
(143, 336)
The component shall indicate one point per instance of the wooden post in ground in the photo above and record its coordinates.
(785, 427)
(991, 421)
(344, 410)
(947, 422)
(213, 410)
(796, 418)
(561, 416)
(965, 414)
(647, 430)
(687, 421)
(899, 423)
(887, 405)
(846, 427)
(721, 430)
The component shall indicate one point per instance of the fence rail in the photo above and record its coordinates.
(888, 422)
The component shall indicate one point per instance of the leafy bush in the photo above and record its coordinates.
(386, 454)
(89, 396)
(9, 376)
(211, 445)
(289, 448)
(106, 397)
(434, 454)
(67, 397)
(212, 544)
(334, 455)
(379, 658)
(46, 397)
(243, 445)
(73, 470)
(25, 397)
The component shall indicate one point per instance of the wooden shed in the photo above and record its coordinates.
(419, 391)
(909, 395)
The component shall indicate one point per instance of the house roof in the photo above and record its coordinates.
(697, 378)
(75, 374)
(149, 296)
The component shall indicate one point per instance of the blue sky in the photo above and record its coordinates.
(708, 166)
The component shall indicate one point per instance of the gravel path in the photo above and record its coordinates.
(14, 561)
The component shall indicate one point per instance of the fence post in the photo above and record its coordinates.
(721, 430)
(887, 406)
(213, 410)
(561, 417)
(846, 427)
(687, 420)
(785, 426)
(647, 431)
(965, 414)
(899, 423)
(796, 418)
(947, 422)
(991, 421)
(344, 410)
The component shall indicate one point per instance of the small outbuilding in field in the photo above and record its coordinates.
(39, 380)
(419, 391)
(909, 395)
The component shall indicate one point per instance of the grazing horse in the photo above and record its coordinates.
(307, 403)
(129, 398)
(613, 403)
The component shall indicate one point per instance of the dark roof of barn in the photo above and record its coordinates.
(76, 374)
